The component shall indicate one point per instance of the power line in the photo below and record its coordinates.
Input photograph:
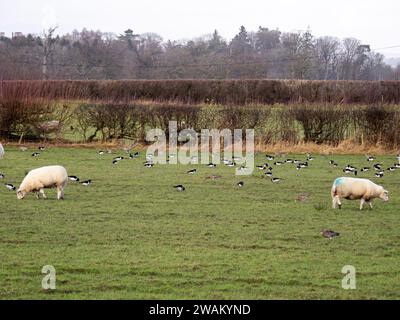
(391, 47)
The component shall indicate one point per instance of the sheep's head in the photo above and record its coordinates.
(384, 195)
(21, 194)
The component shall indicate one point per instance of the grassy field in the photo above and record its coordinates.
(131, 235)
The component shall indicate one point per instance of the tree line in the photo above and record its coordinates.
(265, 53)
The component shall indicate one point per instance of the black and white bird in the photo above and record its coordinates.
(149, 164)
(231, 164)
(240, 184)
(9, 186)
(278, 163)
(262, 167)
(364, 169)
(101, 152)
(333, 163)
(35, 154)
(350, 167)
(397, 165)
(41, 148)
(73, 178)
(350, 171)
(370, 158)
(378, 167)
(379, 174)
(289, 160)
(193, 171)
(268, 174)
(275, 180)
(180, 187)
(133, 155)
(114, 162)
(329, 234)
(211, 165)
(2, 176)
(270, 158)
(391, 168)
(303, 164)
(309, 157)
(119, 158)
(296, 161)
(86, 183)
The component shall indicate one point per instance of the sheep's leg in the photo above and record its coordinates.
(370, 204)
(42, 193)
(336, 202)
(333, 202)
(37, 194)
(362, 203)
(60, 193)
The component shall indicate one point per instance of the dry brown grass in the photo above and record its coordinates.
(346, 147)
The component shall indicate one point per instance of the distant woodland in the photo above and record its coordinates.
(260, 54)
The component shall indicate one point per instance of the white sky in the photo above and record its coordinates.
(374, 22)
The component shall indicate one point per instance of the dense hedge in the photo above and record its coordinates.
(289, 111)
(232, 92)
(317, 123)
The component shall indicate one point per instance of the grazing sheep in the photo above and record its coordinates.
(1, 151)
(355, 188)
(45, 177)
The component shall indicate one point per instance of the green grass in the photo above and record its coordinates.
(130, 235)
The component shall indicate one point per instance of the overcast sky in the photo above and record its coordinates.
(374, 22)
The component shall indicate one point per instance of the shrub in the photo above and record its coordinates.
(379, 124)
(322, 124)
(21, 115)
(113, 121)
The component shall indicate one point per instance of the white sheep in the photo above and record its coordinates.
(45, 177)
(1, 151)
(356, 188)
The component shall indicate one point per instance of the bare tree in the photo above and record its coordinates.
(47, 44)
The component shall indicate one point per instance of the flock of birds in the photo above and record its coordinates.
(266, 167)
(378, 167)
(73, 178)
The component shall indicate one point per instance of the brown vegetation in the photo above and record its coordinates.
(281, 112)
(227, 92)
